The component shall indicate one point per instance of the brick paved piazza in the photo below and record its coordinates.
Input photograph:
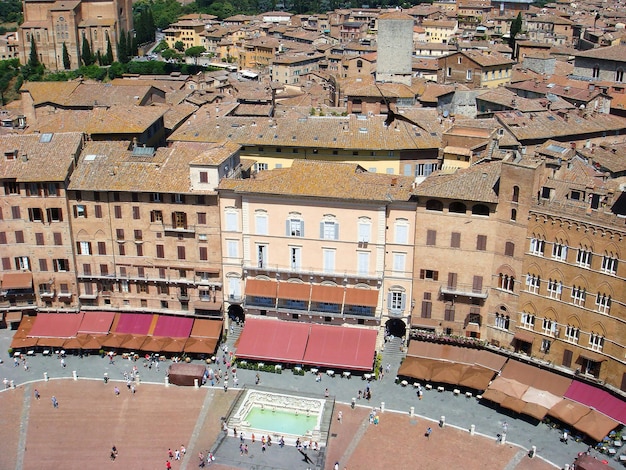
(91, 418)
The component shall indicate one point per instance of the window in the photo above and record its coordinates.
(61, 265)
(572, 334)
(142, 288)
(232, 224)
(579, 294)
(365, 228)
(138, 234)
(434, 205)
(363, 261)
(141, 272)
(16, 212)
(295, 228)
(98, 211)
(84, 248)
(232, 248)
(204, 253)
(431, 237)
(139, 248)
(124, 286)
(457, 208)
(545, 345)
(118, 212)
(548, 327)
(22, 263)
(58, 238)
(102, 248)
(119, 232)
(583, 257)
(204, 176)
(559, 251)
(54, 214)
(399, 263)
(260, 220)
(295, 257)
(6, 264)
(609, 264)
(201, 218)
(480, 209)
(532, 283)
(11, 187)
(528, 321)
(261, 251)
(181, 252)
(554, 288)
(156, 216)
(502, 321)
(80, 210)
(468, 75)
(155, 197)
(426, 169)
(396, 301)
(513, 214)
(506, 282)
(481, 242)
(19, 236)
(596, 341)
(121, 249)
(178, 198)
(104, 271)
(537, 246)
(429, 274)
(328, 261)
(136, 213)
(401, 231)
(455, 240)
(35, 214)
(179, 220)
(515, 197)
(509, 249)
(160, 251)
(162, 274)
(595, 72)
(329, 230)
(603, 303)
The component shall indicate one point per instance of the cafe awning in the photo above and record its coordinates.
(261, 288)
(596, 425)
(420, 322)
(536, 378)
(568, 411)
(598, 399)
(417, 367)
(361, 297)
(327, 294)
(341, 347)
(134, 323)
(173, 326)
(524, 336)
(56, 325)
(294, 291)
(204, 328)
(273, 340)
(13, 317)
(97, 323)
(21, 280)
(200, 345)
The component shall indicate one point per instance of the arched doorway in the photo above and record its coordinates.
(235, 313)
(395, 327)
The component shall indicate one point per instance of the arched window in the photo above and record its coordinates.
(596, 71)
(359, 63)
(480, 209)
(434, 205)
(502, 321)
(506, 282)
(513, 214)
(515, 197)
(457, 208)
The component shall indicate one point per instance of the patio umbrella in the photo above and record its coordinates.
(90, 341)
(495, 396)
(134, 342)
(72, 343)
(596, 425)
(175, 346)
(51, 342)
(154, 344)
(417, 367)
(535, 410)
(568, 411)
(476, 377)
(514, 404)
(200, 345)
(115, 340)
(23, 343)
(448, 372)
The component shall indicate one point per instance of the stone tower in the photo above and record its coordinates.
(395, 48)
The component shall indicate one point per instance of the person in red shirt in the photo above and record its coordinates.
(168, 465)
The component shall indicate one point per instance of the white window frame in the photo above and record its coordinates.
(528, 321)
(502, 321)
(364, 230)
(261, 223)
(261, 255)
(537, 246)
(468, 74)
(579, 295)
(295, 258)
(548, 326)
(572, 334)
(232, 248)
(399, 263)
(85, 248)
(506, 282)
(296, 228)
(533, 283)
(81, 210)
(363, 263)
(596, 342)
(603, 303)
(330, 229)
(583, 257)
(328, 260)
(555, 288)
(401, 232)
(124, 286)
(609, 264)
(22, 263)
(559, 251)
(232, 221)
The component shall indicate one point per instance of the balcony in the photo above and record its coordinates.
(171, 229)
(46, 294)
(464, 290)
(64, 295)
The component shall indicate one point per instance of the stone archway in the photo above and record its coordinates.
(236, 313)
(395, 327)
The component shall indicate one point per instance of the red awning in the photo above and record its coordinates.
(56, 325)
(134, 323)
(97, 323)
(341, 347)
(327, 294)
(204, 328)
(294, 291)
(598, 399)
(261, 288)
(524, 336)
(17, 280)
(173, 327)
(273, 340)
(361, 297)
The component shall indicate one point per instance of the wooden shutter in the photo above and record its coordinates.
(6, 264)
(452, 280)
(3, 238)
(19, 236)
(160, 251)
(455, 240)
(427, 308)
(43, 264)
(567, 357)
(98, 211)
(509, 249)
(477, 284)
(136, 214)
(431, 237)
(181, 252)
(102, 248)
(203, 253)
(58, 238)
(481, 242)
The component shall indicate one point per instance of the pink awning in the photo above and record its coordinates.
(56, 325)
(134, 323)
(341, 347)
(96, 323)
(173, 327)
(273, 340)
(598, 399)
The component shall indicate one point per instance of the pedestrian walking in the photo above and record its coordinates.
(183, 451)
(116, 391)
(428, 433)
(170, 454)
(245, 449)
(106, 378)
(132, 389)
(257, 379)
(340, 416)
(326, 393)
(63, 364)
(225, 385)
(37, 396)
(177, 455)
(113, 453)
(168, 465)
(55, 402)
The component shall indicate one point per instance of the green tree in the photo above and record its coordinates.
(116, 70)
(86, 55)
(195, 52)
(171, 54)
(108, 58)
(122, 49)
(516, 28)
(33, 58)
(67, 63)
(179, 46)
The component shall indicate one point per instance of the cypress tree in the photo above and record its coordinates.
(86, 55)
(109, 54)
(67, 63)
(122, 48)
(33, 59)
